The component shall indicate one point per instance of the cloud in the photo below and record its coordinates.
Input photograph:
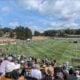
(64, 25)
(6, 9)
(68, 10)
(35, 28)
(14, 24)
(0, 18)
(30, 4)
(65, 8)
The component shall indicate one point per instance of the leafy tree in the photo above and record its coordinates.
(78, 32)
(19, 32)
(23, 33)
(6, 29)
(28, 33)
(61, 33)
(70, 31)
(11, 35)
(50, 33)
(1, 33)
(37, 33)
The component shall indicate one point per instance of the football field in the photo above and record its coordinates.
(59, 49)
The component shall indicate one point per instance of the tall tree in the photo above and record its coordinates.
(28, 33)
(37, 33)
(23, 33)
(50, 33)
(11, 34)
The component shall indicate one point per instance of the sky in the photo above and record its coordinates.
(40, 15)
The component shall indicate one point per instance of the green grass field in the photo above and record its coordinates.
(58, 49)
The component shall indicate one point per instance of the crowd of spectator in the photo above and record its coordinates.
(13, 66)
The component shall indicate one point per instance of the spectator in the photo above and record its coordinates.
(49, 71)
(59, 76)
(8, 68)
(11, 69)
(78, 75)
(35, 72)
(3, 66)
(72, 75)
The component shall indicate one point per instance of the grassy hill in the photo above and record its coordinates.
(59, 49)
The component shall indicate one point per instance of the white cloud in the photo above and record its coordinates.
(64, 25)
(14, 24)
(66, 9)
(0, 18)
(36, 28)
(30, 4)
(6, 9)
(72, 25)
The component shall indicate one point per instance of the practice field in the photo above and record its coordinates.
(59, 49)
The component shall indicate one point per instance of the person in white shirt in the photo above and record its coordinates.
(35, 72)
(78, 75)
(11, 69)
(3, 66)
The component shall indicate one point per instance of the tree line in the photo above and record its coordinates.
(24, 33)
(19, 32)
(59, 33)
